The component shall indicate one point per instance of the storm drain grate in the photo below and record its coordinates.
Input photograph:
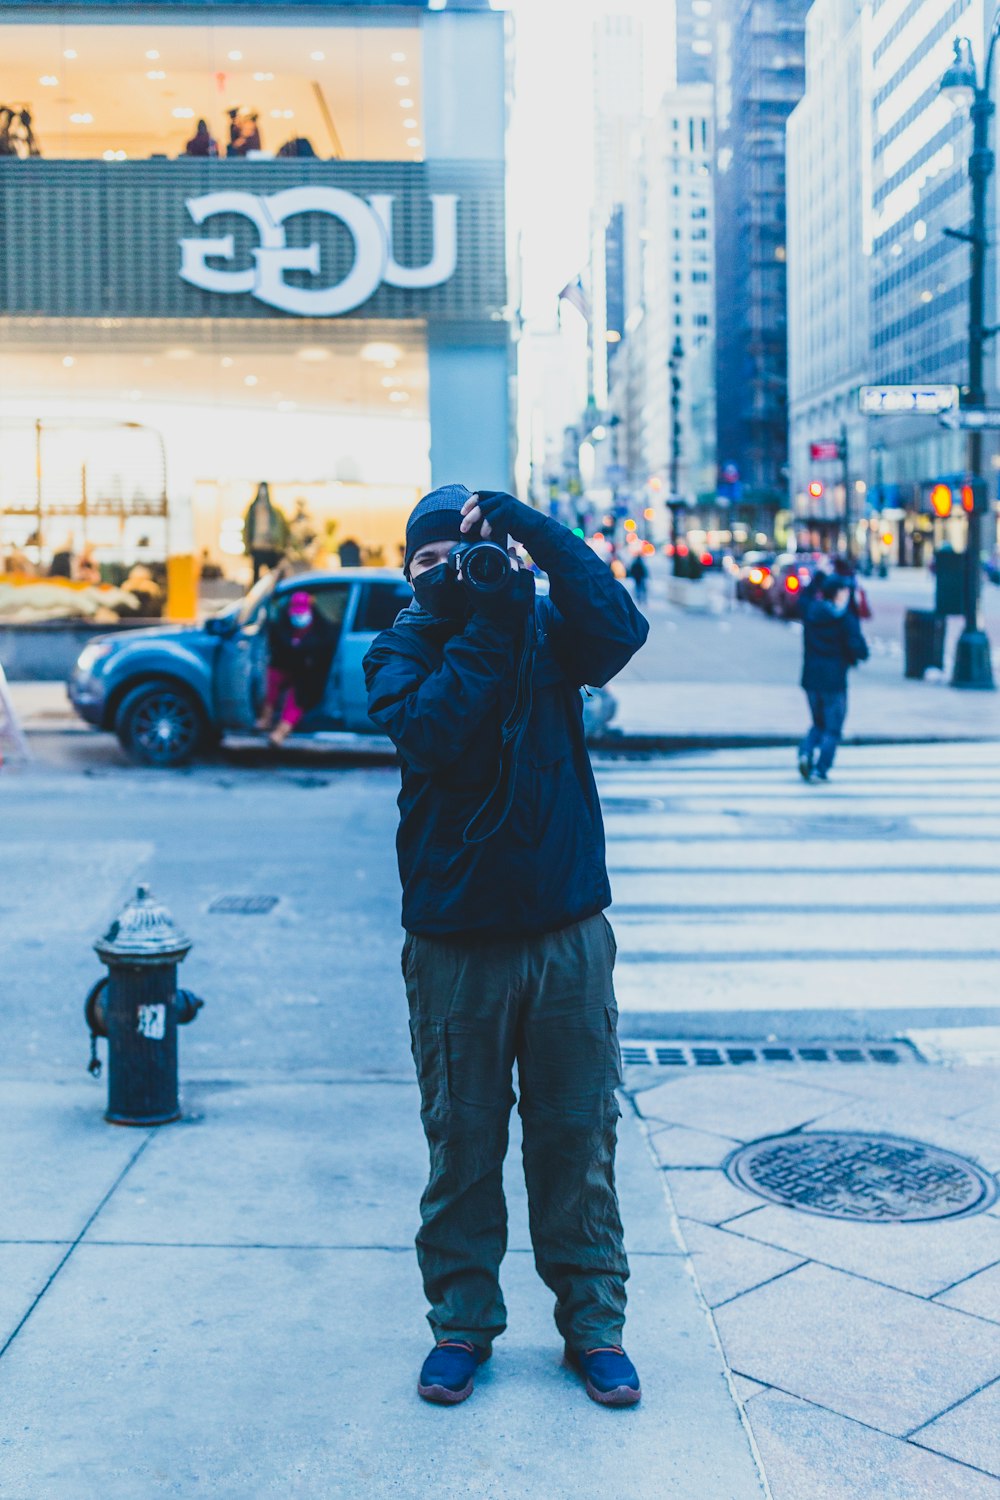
(244, 906)
(875, 1179)
(672, 1054)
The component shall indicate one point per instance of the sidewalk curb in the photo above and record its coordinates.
(631, 744)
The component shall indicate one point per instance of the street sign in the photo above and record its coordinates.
(973, 418)
(826, 449)
(921, 400)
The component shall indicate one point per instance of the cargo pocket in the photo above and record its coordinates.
(427, 1043)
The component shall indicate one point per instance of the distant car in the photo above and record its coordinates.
(172, 691)
(752, 572)
(791, 575)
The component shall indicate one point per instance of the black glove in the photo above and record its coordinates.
(507, 516)
(510, 606)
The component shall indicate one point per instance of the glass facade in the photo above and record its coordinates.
(919, 283)
(310, 290)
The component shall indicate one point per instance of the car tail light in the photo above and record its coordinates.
(669, 550)
(706, 559)
(792, 584)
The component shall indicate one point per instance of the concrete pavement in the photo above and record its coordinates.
(175, 1303)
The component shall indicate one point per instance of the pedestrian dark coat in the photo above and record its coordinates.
(441, 690)
(832, 642)
(304, 656)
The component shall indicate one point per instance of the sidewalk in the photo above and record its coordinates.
(866, 1356)
(229, 1306)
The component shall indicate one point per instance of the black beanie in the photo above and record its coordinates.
(436, 518)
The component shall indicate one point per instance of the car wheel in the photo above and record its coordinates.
(160, 724)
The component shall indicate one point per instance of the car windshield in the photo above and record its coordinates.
(243, 611)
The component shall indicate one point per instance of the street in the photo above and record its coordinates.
(230, 1255)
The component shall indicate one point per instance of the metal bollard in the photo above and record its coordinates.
(138, 1007)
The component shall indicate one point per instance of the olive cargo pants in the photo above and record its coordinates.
(548, 1003)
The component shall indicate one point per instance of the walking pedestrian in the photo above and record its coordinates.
(832, 642)
(638, 572)
(265, 532)
(507, 954)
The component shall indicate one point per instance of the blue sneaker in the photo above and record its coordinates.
(610, 1375)
(449, 1370)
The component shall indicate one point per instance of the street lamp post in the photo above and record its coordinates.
(973, 666)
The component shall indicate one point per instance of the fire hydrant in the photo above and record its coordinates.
(138, 1007)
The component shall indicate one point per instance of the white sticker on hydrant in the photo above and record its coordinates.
(153, 1022)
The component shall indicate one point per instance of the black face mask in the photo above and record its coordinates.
(438, 591)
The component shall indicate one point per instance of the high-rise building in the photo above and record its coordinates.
(695, 40)
(919, 286)
(759, 80)
(677, 291)
(829, 242)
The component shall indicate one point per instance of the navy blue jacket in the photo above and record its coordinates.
(831, 642)
(441, 691)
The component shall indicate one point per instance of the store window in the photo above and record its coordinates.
(141, 91)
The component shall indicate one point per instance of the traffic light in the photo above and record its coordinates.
(974, 497)
(941, 501)
(816, 489)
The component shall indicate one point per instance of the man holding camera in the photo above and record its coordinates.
(508, 955)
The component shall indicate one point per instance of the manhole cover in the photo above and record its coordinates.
(876, 1179)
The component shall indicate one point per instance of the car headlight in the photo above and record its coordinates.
(91, 655)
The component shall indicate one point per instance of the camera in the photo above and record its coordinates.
(481, 566)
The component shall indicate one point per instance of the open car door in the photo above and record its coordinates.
(376, 607)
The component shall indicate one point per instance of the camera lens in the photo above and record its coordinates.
(486, 566)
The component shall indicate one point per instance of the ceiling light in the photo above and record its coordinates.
(68, 361)
(397, 57)
(398, 396)
(249, 380)
(182, 114)
(388, 364)
(49, 80)
(263, 78)
(155, 74)
(235, 56)
(406, 103)
(82, 119)
(389, 381)
(179, 354)
(69, 54)
(152, 55)
(377, 353)
(318, 56)
(414, 140)
(409, 124)
(401, 82)
(313, 354)
(225, 361)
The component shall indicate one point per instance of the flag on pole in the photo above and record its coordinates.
(575, 294)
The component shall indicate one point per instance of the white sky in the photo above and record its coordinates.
(551, 135)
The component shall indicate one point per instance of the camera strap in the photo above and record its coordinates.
(490, 817)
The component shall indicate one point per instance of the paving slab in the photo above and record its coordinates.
(238, 1369)
(912, 1123)
(980, 1294)
(969, 1432)
(813, 1454)
(676, 1146)
(743, 1108)
(919, 1258)
(726, 1265)
(882, 1357)
(24, 1271)
(60, 1157)
(708, 1196)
